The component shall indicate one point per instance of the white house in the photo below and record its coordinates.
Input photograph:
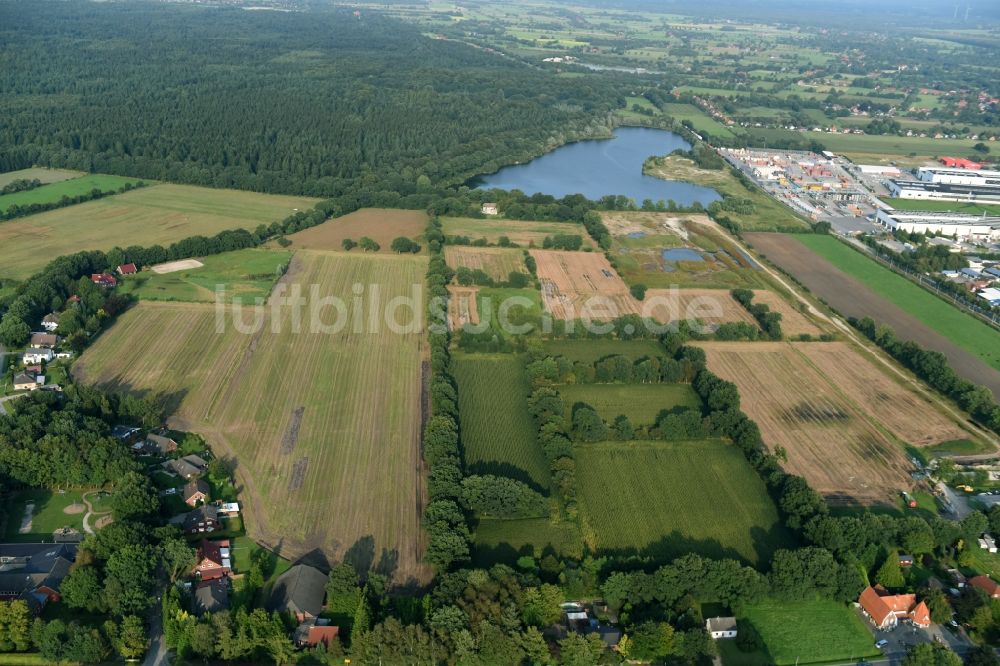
(51, 322)
(490, 209)
(721, 627)
(37, 356)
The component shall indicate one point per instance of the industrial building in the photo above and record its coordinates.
(958, 225)
(919, 189)
(983, 177)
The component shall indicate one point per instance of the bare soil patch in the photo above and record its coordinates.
(74, 509)
(462, 306)
(829, 439)
(623, 223)
(292, 434)
(103, 522)
(582, 284)
(852, 298)
(380, 224)
(711, 307)
(793, 321)
(174, 266)
(497, 262)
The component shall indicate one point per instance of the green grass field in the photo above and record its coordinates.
(490, 300)
(701, 121)
(48, 514)
(664, 499)
(952, 206)
(497, 432)
(964, 330)
(42, 174)
(803, 632)
(639, 402)
(158, 214)
(73, 187)
(592, 350)
(247, 274)
(887, 146)
(506, 540)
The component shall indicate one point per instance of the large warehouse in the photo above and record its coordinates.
(920, 189)
(965, 227)
(959, 176)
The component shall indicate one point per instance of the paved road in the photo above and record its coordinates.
(157, 654)
(3, 410)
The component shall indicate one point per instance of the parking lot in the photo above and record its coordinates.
(906, 635)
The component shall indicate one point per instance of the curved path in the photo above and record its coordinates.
(90, 511)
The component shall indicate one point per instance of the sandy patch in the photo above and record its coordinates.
(462, 307)
(74, 509)
(174, 266)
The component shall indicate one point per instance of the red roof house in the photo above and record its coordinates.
(213, 560)
(127, 269)
(104, 280)
(886, 610)
(314, 631)
(987, 585)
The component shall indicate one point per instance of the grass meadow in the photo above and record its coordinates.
(322, 424)
(506, 540)
(589, 351)
(53, 192)
(639, 402)
(664, 499)
(964, 330)
(518, 231)
(497, 432)
(158, 214)
(44, 175)
(48, 515)
(247, 274)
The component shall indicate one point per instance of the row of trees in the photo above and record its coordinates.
(22, 210)
(770, 322)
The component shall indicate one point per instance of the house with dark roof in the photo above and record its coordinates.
(196, 492)
(299, 591)
(24, 381)
(42, 340)
(886, 610)
(314, 631)
(987, 585)
(214, 560)
(159, 444)
(203, 520)
(34, 571)
(211, 596)
(187, 467)
(125, 434)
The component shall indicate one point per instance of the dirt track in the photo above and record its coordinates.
(853, 299)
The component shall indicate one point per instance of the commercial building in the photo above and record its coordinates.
(943, 224)
(919, 189)
(958, 176)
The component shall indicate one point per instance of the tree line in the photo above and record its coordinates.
(23, 210)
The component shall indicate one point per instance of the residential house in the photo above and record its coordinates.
(211, 596)
(986, 542)
(127, 269)
(187, 467)
(24, 381)
(299, 591)
(886, 610)
(34, 571)
(33, 369)
(73, 300)
(314, 631)
(490, 209)
(50, 322)
(228, 509)
(957, 577)
(906, 561)
(987, 585)
(721, 627)
(42, 340)
(213, 560)
(203, 520)
(196, 492)
(160, 444)
(126, 434)
(106, 280)
(37, 356)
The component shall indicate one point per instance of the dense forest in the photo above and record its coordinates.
(312, 103)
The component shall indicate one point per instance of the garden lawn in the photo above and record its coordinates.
(964, 330)
(805, 632)
(48, 514)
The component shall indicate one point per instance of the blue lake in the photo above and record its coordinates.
(603, 167)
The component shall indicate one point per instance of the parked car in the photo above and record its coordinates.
(953, 623)
(881, 644)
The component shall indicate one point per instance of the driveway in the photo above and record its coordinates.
(957, 501)
(157, 654)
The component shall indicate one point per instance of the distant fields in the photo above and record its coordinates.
(158, 214)
(668, 498)
(888, 146)
(964, 330)
(322, 424)
(701, 121)
(382, 225)
(518, 231)
(73, 187)
(639, 402)
(247, 274)
(498, 434)
(42, 174)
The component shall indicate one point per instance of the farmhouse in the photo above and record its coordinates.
(187, 467)
(299, 591)
(202, 520)
(213, 560)
(127, 269)
(314, 631)
(886, 610)
(33, 572)
(41, 340)
(50, 322)
(24, 381)
(106, 280)
(37, 356)
(987, 585)
(159, 444)
(721, 627)
(196, 492)
(490, 209)
(211, 596)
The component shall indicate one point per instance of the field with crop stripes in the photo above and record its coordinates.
(497, 432)
(665, 499)
(324, 426)
(639, 402)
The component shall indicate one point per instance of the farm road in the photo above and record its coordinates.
(852, 298)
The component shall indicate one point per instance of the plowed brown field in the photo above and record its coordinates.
(711, 307)
(380, 224)
(573, 281)
(462, 306)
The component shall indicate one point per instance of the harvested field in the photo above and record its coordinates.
(174, 266)
(909, 416)
(793, 322)
(829, 439)
(852, 298)
(158, 214)
(462, 306)
(711, 307)
(320, 424)
(497, 262)
(573, 281)
(382, 225)
(521, 232)
(41, 173)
